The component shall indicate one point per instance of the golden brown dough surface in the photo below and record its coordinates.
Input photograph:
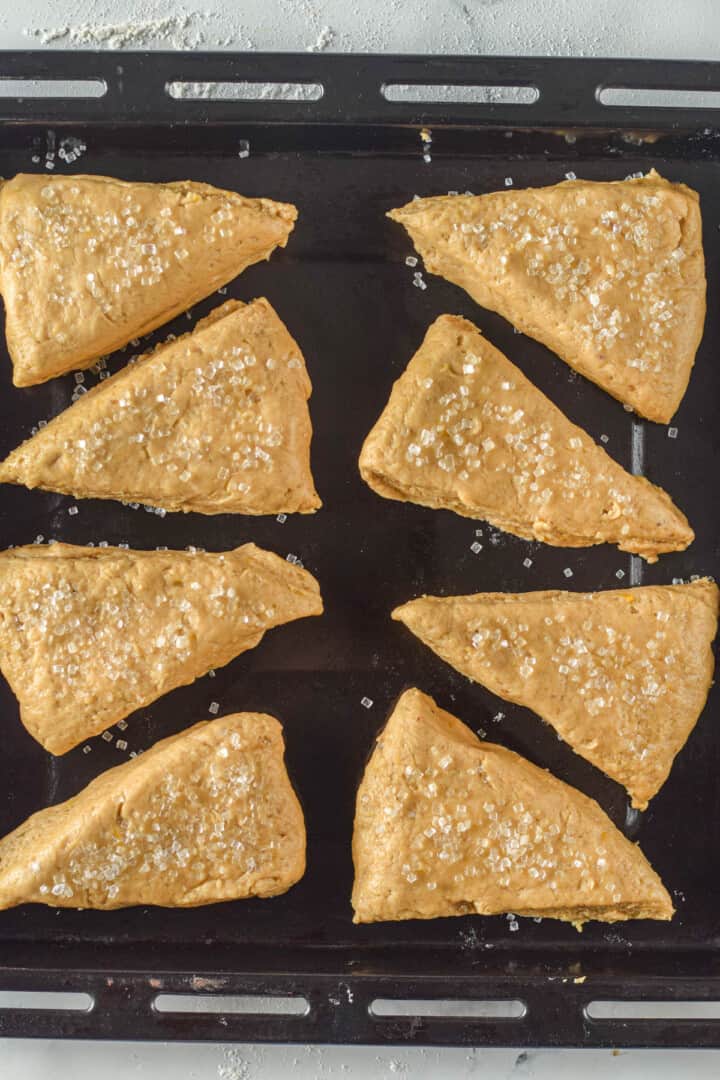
(464, 430)
(215, 421)
(448, 825)
(89, 262)
(610, 276)
(203, 816)
(88, 635)
(622, 675)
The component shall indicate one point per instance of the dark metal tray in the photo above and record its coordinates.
(345, 292)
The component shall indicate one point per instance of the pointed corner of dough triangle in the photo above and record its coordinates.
(89, 635)
(622, 675)
(465, 430)
(448, 825)
(215, 421)
(87, 263)
(205, 816)
(610, 276)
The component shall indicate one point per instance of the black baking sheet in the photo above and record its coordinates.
(344, 290)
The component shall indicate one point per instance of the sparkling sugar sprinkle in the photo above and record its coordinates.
(611, 668)
(477, 831)
(134, 247)
(628, 257)
(188, 416)
(204, 820)
(367, 703)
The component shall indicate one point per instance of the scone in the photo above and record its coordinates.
(621, 675)
(610, 276)
(88, 635)
(448, 825)
(215, 421)
(203, 816)
(465, 430)
(89, 262)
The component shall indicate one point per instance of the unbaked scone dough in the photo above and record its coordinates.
(203, 816)
(448, 825)
(215, 421)
(88, 635)
(621, 675)
(465, 430)
(610, 276)
(89, 262)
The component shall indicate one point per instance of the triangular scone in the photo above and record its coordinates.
(88, 635)
(611, 276)
(448, 825)
(215, 421)
(621, 675)
(465, 430)
(88, 262)
(203, 816)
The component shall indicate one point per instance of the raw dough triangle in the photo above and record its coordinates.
(610, 276)
(215, 421)
(448, 825)
(203, 816)
(465, 430)
(88, 262)
(621, 675)
(88, 635)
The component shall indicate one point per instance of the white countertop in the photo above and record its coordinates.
(645, 28)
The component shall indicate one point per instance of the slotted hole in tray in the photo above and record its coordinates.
(383, 1008)
(52, 88)
(46, 999)
(645, 97)
(245, 91)
(653, 1010)
(455, 92)
(253, 1004)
